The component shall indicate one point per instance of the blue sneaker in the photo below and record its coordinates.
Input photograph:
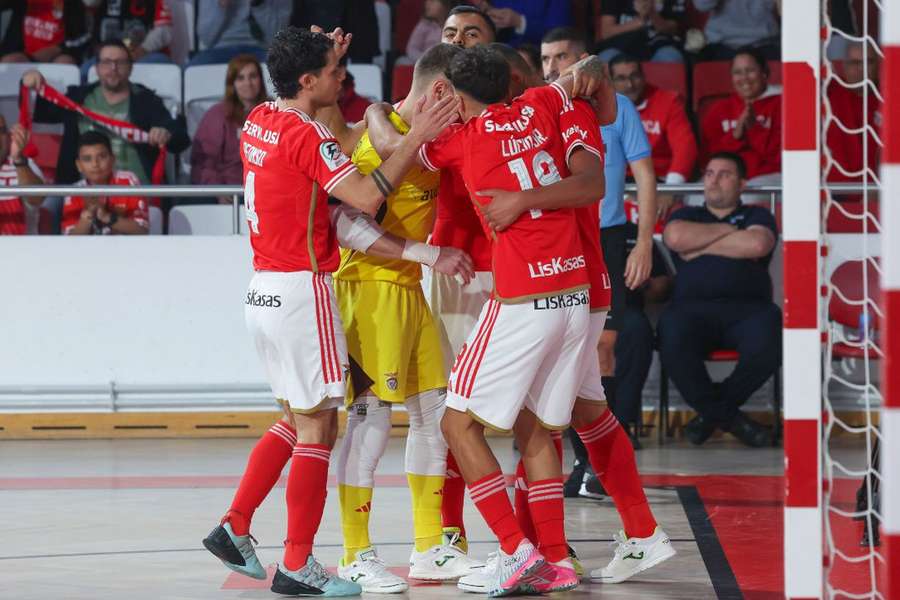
(235, 551)
(312, 580)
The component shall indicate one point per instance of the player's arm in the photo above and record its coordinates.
(346, 136)
(584, 186)
(588, 78)
(384, 136)
(368, 192)
(358, 231)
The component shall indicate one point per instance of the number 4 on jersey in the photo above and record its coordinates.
(249, 202)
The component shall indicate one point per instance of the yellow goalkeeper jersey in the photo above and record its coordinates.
(407, 213)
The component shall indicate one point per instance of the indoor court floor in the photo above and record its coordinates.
(123, 519)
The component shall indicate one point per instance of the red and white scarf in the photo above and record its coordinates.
(123, 129)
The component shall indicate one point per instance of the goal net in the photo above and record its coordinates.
(839, 446)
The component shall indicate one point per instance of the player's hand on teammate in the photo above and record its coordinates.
(637, 267)
(455, 262)
(432, 116)
(341, 40)
(503, 209)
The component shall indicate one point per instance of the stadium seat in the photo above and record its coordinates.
(719, 355)
(401, 82)
(845, 308)
(156, 220)
(667, 76)
(162, 78)
(368, 81)
(58, 75)
(712, 81)
(202, 219)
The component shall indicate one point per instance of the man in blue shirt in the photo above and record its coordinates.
(625, 143)
(526, 21)
(722, 299)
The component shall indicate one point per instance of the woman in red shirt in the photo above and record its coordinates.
(748, 122)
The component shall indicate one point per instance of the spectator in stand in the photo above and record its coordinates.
(847, 107)
(144, 27)
(103, 215)
(722, 299)
(532, 55)
(672, 142)
(748, 122)
(468, 26)
(646, 29)
(226, 28)
(636, 339)
(427, 32)
(116, 97)
(18, 216)
(215, 152)
(521, 21)
(736, 24)
(38, 31)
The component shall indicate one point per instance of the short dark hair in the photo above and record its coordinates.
(115, 43)
(511, 56)
(565, 34)
(435, 61)
(481, 73)
(533, 54)
(293, 53)
(466, 9)
(739, 163)
(92, 137)
(623, 59)
(756, 55)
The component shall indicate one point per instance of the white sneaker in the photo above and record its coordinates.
(634, 555)
(478, 581)
(443, 562)
(371, 574)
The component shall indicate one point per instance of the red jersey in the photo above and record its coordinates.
(43, 25)
(761, 145)
(12, 209)
(672, 143)
(515, 147)
(457, 224)
(847, 148)
(291, 164)
(581, 129)
(130, 207)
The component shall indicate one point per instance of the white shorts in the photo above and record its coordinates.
(525, 355)
(456, 307)
(294, 321)
(591, 383)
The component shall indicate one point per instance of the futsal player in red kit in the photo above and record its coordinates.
(531, 336)
(291, 165)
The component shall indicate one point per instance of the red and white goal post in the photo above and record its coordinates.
(842, 385)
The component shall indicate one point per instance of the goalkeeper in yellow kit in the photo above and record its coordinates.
(395, 356)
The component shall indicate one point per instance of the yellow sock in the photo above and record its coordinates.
(426, 501)
(356, 503)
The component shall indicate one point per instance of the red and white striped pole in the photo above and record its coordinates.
(800, 206)
(890, 262)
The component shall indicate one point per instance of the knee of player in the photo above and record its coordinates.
(584, 413)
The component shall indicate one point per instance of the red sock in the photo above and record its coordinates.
(545, 498)
(454, 496)
(612, 458)
(489, 496)
(306, 490)
(264, 466)
(556, 436)
(523, 513)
